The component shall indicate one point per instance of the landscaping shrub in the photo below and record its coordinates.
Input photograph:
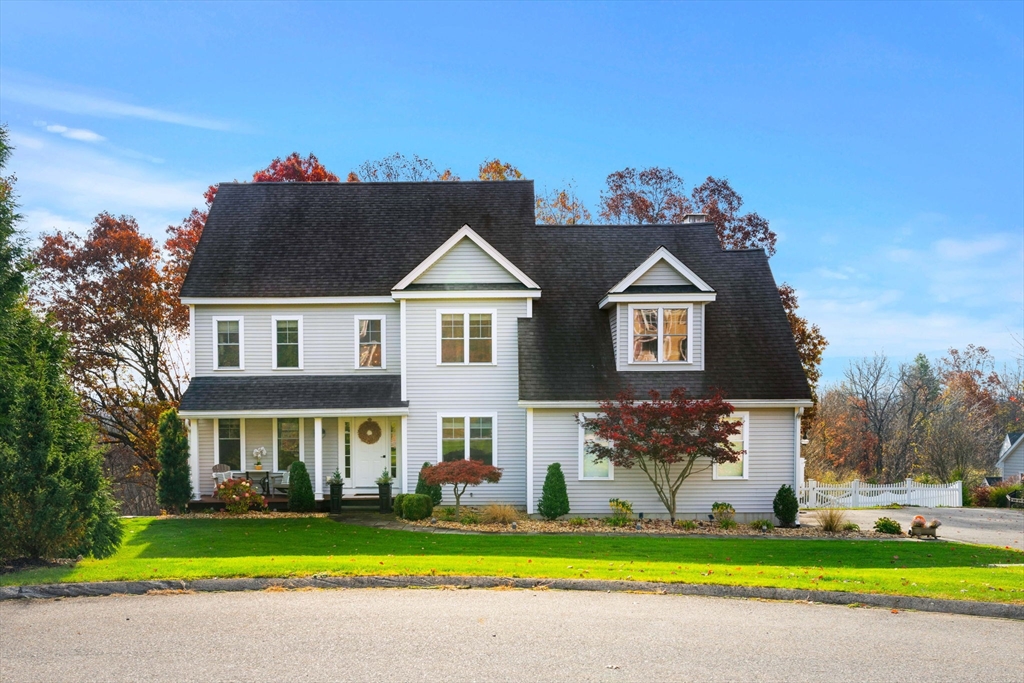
(616, 521)
(886, 525)
(851, 526)
(578, 521)
(722, 511)
(470, 518)
(766, 523)
(830, 520)
(423, 488)
(174, 482)
(687, 524)
(446, 513)
(981, 496)
(396, 504)
(417, 506)
(728, 523)
(554, 499)
(460, 474)
(621, 508)
(500, 514)
(786, 506)
(300, 493)
(239, 496)
(999, 492)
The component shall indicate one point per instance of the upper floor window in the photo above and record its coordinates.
(287, 343)
(229, 343)
(466, 337)
(370, 343)
(467, 438)
(741, 444)
(660, 334)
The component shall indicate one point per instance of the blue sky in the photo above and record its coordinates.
(885, 142)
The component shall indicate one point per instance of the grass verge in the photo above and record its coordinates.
(177, 548)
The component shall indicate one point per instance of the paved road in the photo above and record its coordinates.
(437, 635)
(991, 526)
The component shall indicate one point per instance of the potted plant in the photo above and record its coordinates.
(384, 490)
(336, 483)
(258, 454)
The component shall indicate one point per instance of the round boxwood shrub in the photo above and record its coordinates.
(554, 499)
(786, 506)
(417, 506)
(887, 525)
(300, 492)
(424, 488)
(396, 505)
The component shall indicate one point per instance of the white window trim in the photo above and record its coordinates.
(302, 439)
(466, 312)
(582, 443)
(383, 341)
(241, 341)
(661, 254)
(465, 422)
(273, 341)
(241, 442)
(661, 316)
(745, 417)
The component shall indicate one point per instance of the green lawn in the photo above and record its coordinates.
(170, 548)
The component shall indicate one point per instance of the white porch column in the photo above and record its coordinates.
(406, 472)
(193, 456)
(318, 457)
(241, 444)
(529, 462)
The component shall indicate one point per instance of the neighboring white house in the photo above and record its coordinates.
(1011, 456)
(377, 326)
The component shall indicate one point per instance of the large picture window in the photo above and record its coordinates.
(287, 343)
(589, 468)
(466, 337)
(467, 437)
(229, 443)
(228, 342)
(370, 346)
(660, 334)
(288, 436)
(740, 444)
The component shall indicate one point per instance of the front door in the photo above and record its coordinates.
(369, 451)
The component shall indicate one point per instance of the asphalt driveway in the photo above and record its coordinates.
(989, 526)
(490, 635)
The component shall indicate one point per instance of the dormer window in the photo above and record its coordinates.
(660, 334)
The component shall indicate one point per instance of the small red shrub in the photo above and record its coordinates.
(239, 496)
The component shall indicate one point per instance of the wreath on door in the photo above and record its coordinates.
(369, 432)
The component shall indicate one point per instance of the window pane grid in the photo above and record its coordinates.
(287, 442)
(479, 337)
(394, 450)
(348, 450)
(452, 338)
(230, 446)
(370, 343)
(660, 335)
(287, 343)
(228, 344)
(467, 438)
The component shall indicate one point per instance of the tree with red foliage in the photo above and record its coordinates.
(668, 439)
(295, 169)
(460, 473)
(561, 207)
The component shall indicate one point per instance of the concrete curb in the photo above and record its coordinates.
(74, 590)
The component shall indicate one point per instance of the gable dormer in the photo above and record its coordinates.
(656, 316)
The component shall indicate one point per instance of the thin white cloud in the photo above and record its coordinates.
(72, 101)
(80, 134)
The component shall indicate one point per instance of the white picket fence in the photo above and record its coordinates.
(857, 494)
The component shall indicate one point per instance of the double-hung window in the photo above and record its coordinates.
(660, 334)
(466, 337)
(287, 342)
(741, 444)
(229, 443)
(370, 342)
(467, 437)
(288, 438)
(229, 343)
(590, 468)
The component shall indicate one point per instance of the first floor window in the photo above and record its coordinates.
(229, 344)
(229, 446)
(589, 467)
(738, 469)
(287, 442)
(394, 448)
(660, 334)
(287, 344)
(468, 438)
(371, 342)
(466, 338)
(348, 450)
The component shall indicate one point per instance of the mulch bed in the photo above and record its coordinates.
(23, 563)
(221, 514)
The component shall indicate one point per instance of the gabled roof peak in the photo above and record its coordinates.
(661, 254)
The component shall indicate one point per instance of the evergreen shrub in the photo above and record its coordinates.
(417, 506)
(300, 492)
(786, 506)
(554, 499)
(424, 488)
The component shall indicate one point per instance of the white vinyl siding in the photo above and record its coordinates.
(623, 343)
(1013, 466)
(661, 274)
(473, 389)
(328, 331)
(466, 263)
(556, 437)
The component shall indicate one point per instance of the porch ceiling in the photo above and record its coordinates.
(320, 394)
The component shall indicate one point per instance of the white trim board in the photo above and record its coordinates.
(273, 341)
(681, 298)
(284, 300)
(580, 454)
(383, 342)
(241, 342)
(465, 232)
(466, 312)
(468, 294)
(737, 403)
(661, 254)
(306, 412)
(745, 416)
(466, 415)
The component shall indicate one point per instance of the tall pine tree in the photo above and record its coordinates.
(174, 483)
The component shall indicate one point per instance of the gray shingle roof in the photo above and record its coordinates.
(360, 239)
(297, 392)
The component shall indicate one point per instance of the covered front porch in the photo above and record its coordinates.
(257, 427)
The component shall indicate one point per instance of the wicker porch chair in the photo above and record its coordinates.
(219, 468)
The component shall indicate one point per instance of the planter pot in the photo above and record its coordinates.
(384, 491)
(257, 467)
(336, 498)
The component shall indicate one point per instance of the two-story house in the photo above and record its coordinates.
(360, 327)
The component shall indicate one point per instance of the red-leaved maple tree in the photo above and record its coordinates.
(667, 439)
(460, 474)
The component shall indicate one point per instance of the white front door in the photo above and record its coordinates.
(368, 459)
